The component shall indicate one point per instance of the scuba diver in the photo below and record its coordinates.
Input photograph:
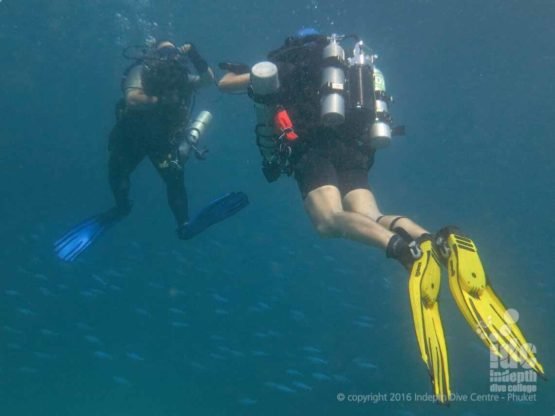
(153, 119)
(321, 117)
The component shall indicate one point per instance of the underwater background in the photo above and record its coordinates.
(258, 315)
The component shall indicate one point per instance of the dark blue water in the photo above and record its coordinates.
(259, 316)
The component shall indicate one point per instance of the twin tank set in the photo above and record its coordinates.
(349, 86)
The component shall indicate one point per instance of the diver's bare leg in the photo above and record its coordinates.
(325, 208)
(364, 202)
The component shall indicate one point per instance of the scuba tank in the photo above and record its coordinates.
(192, 135)
(332, 86)
(265, 86)
(380, 130)
(360, 84)
(367, 97)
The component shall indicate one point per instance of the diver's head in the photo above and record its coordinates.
(306, 32)
(164, 72)
(165, 50)
(305, 36)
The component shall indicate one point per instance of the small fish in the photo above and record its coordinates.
(48, 332)
(363, 363)
(41, 277)
(219, 298)
(197, 365)
(312, 350)
(216, 356)
(87, 294)
(177, 311)
(340, 378)
(217, 338)
(11, 292)
(92, 339)
(293, 372)
(134, 356)
(363, 324)
(45, 291)
(297, 315)
(246, 401)
(177, 324)
(43, 355)
(301, 385)
(12, 330)
(321, 377)
(143, 312)
(115, 273)
(83, 326)
(258, 353)
(99, 280)
(174, 292)
(280, 387)
(221, 312)
(122, 381)
(27, 370)
(317, 360)
(103, 355)
(231, 351)
(25, 311)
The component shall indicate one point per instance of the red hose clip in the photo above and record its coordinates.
(284, 125)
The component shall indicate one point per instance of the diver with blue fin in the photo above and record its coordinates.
(153, 119)
(322, 114)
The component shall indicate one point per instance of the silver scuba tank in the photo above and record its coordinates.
(332, 101)
(361, 99)
(367, 97)
(265, 84)
(380, 130)
(192, 135)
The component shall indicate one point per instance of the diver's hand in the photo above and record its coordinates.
(185, 48)
(137, 99)
(192, 53)
(169, 99)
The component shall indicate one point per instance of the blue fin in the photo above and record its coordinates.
(80, 237)
(216, 211)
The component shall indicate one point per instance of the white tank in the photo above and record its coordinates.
(264, 83)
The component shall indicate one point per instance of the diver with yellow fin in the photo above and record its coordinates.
(322, 114)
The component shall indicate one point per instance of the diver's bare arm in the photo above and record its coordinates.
(231, 82)
(136, 99)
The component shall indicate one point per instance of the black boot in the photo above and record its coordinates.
(399, 249)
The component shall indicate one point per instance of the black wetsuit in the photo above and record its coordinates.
(325, 155)
(154, 133)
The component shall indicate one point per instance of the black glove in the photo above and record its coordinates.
(236, 68)
(198, 61)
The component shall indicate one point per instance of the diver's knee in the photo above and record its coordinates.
(326, 228)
